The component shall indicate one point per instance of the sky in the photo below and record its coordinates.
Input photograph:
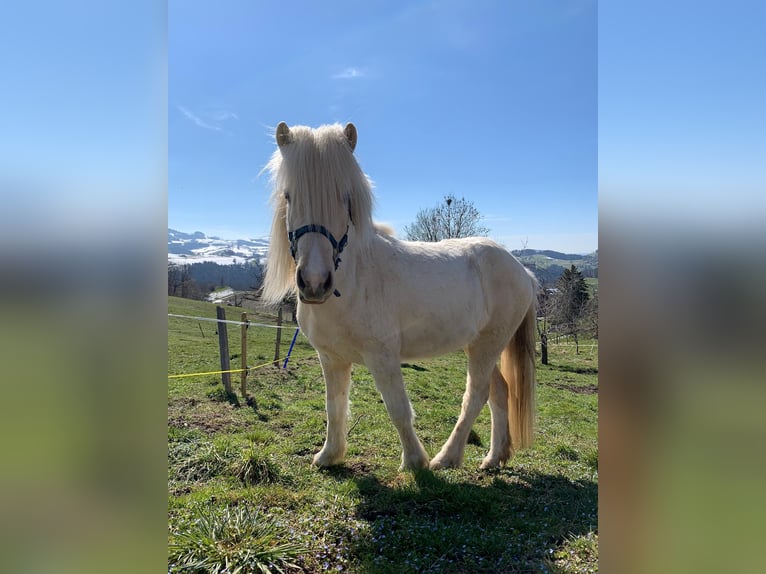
(682, 120)
(492, 101)
(128, 114)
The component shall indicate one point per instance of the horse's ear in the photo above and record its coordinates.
(350, 132)
(283, 134)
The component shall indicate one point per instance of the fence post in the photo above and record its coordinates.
(223, 345)
(279, 336)
(243, 355)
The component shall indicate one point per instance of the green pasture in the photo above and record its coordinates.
(242, 491)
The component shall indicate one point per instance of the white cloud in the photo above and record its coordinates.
(223, 115)
(197, 120)
(349, 73)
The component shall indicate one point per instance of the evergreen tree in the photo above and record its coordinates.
(571, 301)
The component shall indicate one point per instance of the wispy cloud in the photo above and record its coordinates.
(197, 120)
(210, 119)
(223, 115)
(349, 73)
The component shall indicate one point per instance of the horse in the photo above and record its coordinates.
(366, 297)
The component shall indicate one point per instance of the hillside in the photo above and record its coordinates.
(187, 248)
(548, 265)
(190, 248)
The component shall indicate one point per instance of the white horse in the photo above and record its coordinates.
(365, 297)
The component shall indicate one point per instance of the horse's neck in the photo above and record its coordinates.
(352, 263)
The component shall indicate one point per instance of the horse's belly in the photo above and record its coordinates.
(422, 350)
(424, 340)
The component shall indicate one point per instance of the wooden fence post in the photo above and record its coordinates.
(243, 355)
(279, 336)
(223, 345)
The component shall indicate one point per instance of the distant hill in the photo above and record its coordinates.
(190, 248)
(549, 265)
(548, 253)
(187, 248)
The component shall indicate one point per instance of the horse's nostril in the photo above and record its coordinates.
(300, 281)
(328, 283)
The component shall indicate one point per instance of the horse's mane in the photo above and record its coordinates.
(324, 179)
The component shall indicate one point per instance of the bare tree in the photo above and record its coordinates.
(453, 218)
(545, 303)
(591, 314)
(174, 279)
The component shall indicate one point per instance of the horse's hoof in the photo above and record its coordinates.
(491, 462)
(441, 461)
(414, 462)
(325, 460)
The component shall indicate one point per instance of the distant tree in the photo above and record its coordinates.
(591, 314)
(174, 279)
(240, 276)
(544, 306)
(182, 284)
(570, 302)
(453, 218)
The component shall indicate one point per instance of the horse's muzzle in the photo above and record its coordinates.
(313, 288)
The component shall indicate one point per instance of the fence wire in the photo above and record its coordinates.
(251, 324)
(230, 322)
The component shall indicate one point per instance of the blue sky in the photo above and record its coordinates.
(494, 101)
(682, 113)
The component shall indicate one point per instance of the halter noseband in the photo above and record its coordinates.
(337, 246)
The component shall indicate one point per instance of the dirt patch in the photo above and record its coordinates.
(360, 468)
(350, 469)
(206, 415)
(579, 389)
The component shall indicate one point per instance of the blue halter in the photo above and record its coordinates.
(337, 246)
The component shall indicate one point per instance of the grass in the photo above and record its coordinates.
(232, 464)
(231, 539)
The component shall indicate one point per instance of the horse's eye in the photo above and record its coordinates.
(287, 196)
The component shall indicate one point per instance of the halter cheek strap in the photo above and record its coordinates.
(337, 246)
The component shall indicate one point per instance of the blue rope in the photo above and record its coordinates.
(287, 358)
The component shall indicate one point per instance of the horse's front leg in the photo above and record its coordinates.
(337, 377)
(387, 373)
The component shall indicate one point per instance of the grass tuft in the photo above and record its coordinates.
(197, 461)
(230, 540)
(577, 554)
(566, 453)
(255, 469)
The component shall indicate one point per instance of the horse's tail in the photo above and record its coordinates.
(517, 365)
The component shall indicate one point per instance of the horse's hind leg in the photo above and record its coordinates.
(337, 376)
(477, 392)
(387, 373)
(500, 450)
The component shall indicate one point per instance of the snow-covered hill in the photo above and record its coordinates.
(187, 248)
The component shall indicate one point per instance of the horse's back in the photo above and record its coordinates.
(469, 258)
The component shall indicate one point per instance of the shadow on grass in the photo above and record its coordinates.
(508, 523)
(220, 395)
(251, 402)
(348, 471)
(578, 370)
(413, 367)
